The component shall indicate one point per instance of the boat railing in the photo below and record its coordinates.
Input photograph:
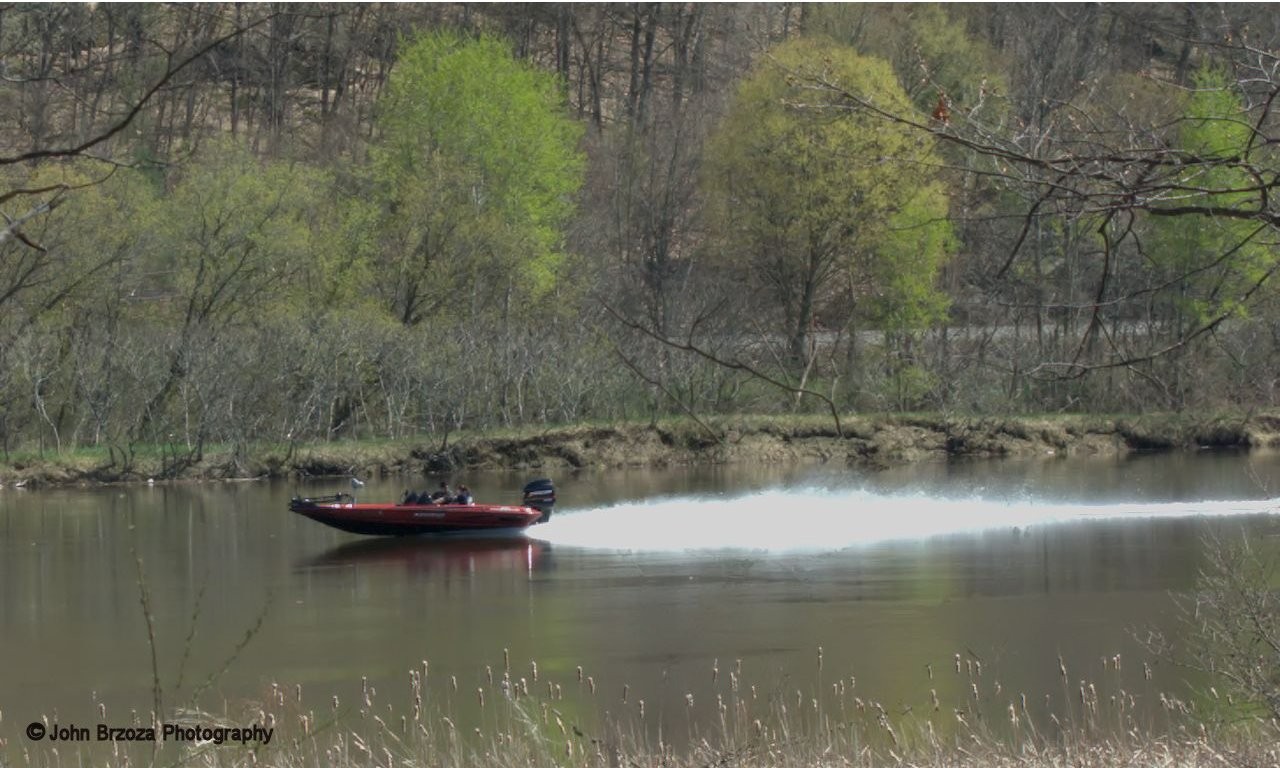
(337, 498)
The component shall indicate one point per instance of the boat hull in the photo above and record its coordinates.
(415, 519)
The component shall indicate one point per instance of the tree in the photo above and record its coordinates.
(928, 45)
(1231, 627)
(1205, 267)
(1191, 250)
(829, 216)
(475, 177)
(229, 242)
(57, 279)
(1120, 179)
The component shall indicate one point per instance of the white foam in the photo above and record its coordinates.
(824, 520)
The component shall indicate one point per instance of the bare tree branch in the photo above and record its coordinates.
(170, 73)
(736, 365)
(631, 365)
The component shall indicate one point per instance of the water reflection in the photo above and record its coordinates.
(439, 555)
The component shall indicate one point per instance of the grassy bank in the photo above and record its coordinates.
(507, 716)
(862, 440)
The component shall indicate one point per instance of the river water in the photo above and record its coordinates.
(655, 583)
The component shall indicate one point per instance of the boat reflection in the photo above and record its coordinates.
(443, 555)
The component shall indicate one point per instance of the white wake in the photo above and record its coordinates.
(823, 520)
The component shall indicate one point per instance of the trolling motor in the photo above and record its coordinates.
(540, 495)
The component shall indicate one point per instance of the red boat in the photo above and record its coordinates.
(341, 511)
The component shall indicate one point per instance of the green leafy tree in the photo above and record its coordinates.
(230, 244)
(82, 230)
(1215, 261)
(475, 177)
(60, 277)
(827, 211)
(928, 45)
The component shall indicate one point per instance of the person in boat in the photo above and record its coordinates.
(464, 496)
(442, 495)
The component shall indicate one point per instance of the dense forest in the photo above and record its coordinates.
(234, 223)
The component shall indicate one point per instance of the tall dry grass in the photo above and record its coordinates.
(519, 716)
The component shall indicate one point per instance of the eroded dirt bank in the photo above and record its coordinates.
(861, 441)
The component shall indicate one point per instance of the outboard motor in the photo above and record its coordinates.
(541, 495)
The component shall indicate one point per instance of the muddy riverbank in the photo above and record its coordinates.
(871, 441)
